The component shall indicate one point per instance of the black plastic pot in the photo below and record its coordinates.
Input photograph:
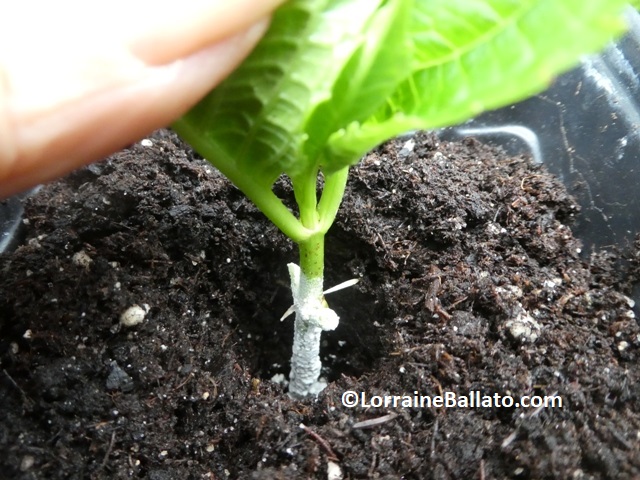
(11, 211)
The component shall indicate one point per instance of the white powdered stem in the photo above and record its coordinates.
(312, 317)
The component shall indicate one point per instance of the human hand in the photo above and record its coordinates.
(80, 80)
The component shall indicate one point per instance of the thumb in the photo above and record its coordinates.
(84, 101)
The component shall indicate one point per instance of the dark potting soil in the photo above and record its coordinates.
(471, 281)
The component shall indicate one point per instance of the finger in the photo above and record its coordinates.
(156, 31)
(171, 33)
(137, 99)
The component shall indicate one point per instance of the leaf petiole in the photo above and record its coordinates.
(260, 194)
(332, 194)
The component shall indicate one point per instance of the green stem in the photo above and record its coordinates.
(304, 189)
(318, 216)
(332, 194)
(311, 248)
(312, 256)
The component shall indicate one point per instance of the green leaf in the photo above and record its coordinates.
(257, 116)
(505, 50)
(332, 79)
(377, 66)
(473, 55)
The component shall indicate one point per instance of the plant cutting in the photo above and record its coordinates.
(334, 78)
